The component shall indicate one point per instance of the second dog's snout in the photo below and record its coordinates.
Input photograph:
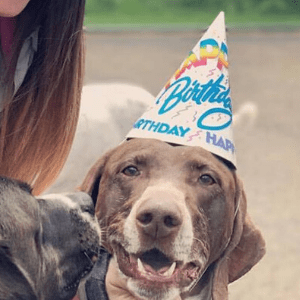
(159, 217)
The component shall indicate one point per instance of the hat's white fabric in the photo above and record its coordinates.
(194, 107)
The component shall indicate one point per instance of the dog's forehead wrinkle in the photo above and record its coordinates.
(145, 148)
(199, 156)
(139, 159)
(198, 165)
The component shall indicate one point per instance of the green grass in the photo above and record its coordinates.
(174, 18)
(142, 14)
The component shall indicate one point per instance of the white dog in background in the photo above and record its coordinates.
(107, 113)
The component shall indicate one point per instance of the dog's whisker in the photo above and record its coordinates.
(196, 239)
(92, 259)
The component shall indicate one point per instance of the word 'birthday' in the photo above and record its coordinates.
(161, 127)
(184, 90)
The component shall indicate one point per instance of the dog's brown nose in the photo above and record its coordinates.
(159, 218)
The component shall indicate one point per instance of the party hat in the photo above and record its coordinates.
(194, 107)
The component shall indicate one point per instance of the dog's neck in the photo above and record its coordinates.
(116, 284)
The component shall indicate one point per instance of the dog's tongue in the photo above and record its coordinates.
(166, 271)
(156, 263)
(151, 269)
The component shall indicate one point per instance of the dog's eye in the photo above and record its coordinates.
(206, 179)
(88, 209)
(131, 171)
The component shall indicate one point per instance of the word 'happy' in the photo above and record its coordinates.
(161, 127)
(219, 142)
(209, 49)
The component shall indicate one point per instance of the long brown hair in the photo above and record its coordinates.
(38, 123)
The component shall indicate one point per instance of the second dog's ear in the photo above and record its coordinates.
(91, 182)
(13, 283)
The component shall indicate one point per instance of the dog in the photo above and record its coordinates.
(47, 245)
(174, 221)
(107, 112)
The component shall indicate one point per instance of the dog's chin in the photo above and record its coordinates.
(73, 283)
(72, 280)
(153, 275)
(148, 292)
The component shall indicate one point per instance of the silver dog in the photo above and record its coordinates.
(47, 245)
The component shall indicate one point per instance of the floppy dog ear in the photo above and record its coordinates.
(13, 284)
(245, 249)
(251, 246)
(91, 182)
(247, 253)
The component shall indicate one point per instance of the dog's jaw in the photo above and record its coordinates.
(146, 294)
(147, 283)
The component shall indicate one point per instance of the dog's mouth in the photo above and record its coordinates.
(74, 282)
(154, 268)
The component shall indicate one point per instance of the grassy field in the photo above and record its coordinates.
(122, 13)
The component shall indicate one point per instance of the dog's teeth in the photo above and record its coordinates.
(141, 266)
(171, 270)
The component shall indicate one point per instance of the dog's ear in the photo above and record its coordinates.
(248, 252)
(13, 284)
(245, 249)
(91, 182)
(251, 246)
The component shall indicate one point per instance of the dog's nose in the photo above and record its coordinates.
(159, 218)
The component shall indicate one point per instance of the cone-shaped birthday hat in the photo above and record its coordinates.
(194, 107)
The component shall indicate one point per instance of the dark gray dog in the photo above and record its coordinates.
(47, 245)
